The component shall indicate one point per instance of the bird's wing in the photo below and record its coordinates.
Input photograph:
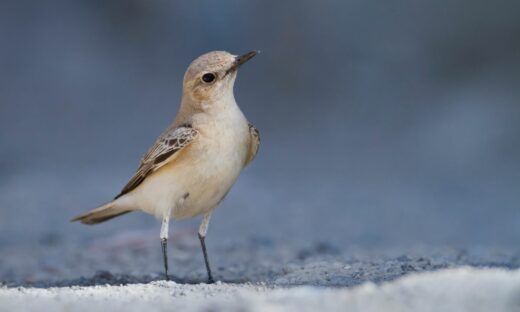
(161, 153)
(254, 143)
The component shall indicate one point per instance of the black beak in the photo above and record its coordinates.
(239, 60)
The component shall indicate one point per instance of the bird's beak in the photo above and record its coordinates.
(241, 59)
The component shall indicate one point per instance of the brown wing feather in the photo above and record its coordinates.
(169, 143)
(254, 143)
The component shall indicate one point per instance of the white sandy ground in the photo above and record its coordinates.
(456, 289)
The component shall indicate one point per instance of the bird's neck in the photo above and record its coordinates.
(223, 108)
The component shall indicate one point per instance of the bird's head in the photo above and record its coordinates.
(212, 75)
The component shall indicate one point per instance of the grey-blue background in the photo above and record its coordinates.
(383, 123)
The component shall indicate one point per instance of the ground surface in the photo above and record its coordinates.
(254, 274)
(458, 289)
(135, 257)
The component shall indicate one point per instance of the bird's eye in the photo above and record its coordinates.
(209, 77)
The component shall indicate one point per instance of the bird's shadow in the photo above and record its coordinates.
(107, 278)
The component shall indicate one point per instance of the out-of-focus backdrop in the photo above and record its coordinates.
(383, 123)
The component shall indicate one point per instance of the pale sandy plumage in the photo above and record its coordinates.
(194, 162)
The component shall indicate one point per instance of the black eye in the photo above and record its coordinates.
(209, 77)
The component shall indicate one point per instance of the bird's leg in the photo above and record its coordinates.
(203, 229)
(164, 241)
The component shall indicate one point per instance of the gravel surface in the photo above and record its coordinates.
(135, 257)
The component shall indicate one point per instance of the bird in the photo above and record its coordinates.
(193, 164)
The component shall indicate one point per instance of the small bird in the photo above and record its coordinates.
(197, 159)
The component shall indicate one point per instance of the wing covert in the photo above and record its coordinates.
(254, 143)
(166, 146)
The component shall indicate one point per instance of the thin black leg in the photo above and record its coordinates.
(203, 244)
(164, 242)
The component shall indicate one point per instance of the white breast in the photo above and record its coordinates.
(204, 175)
(220, 155)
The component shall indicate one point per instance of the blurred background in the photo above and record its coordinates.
(383, 123)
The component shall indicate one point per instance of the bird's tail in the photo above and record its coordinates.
(103, 213)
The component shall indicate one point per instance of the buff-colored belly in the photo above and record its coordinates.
(195, 182)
